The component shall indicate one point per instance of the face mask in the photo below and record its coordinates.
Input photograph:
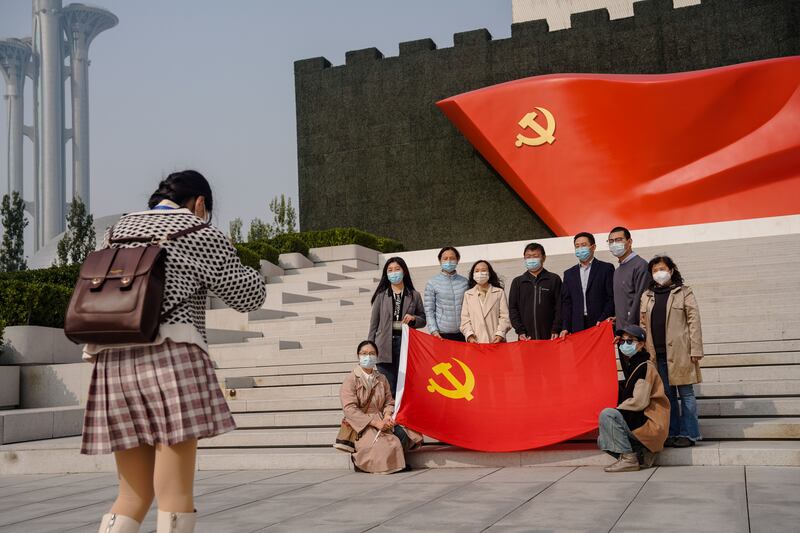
(617, 249)
(583, 253)
(533, 264)
(395, 277)
(449, 266)
(662, 277)
(368, 361)
(627, 349)
(481, 277)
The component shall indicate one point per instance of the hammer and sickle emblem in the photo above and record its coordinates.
(459, 390)
(545, 133)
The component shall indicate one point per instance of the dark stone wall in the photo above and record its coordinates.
(376, 153)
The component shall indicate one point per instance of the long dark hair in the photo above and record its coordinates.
(677, 279)
(494, 280)
(180, 187)
(384, 284)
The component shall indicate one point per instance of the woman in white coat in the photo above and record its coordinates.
(484, 313)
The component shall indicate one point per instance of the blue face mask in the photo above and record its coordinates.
(583, 253)
(395, 277)
(449, 266)
(533, 264)
(627, 349)
(368, 361)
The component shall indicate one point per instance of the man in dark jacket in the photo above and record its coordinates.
(640, 423)
(534, 300)
(587, 295)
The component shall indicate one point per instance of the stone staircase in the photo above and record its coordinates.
(283, 383)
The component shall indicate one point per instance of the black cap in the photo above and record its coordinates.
(635, 331)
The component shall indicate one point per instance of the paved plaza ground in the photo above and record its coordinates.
(719, 499)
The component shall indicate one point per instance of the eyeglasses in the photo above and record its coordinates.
(367, 353)
(628, 341)
(618, 240)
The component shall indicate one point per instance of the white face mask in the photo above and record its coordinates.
(480, 277)
(662, 277)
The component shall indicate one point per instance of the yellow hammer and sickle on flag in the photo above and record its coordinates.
(545, 133)
(459, 390)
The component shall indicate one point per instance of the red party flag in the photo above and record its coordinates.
(507, 396)
(591, 151)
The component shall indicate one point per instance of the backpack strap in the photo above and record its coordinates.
(154, 240)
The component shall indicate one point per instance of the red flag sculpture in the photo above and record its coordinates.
(587, 152)
(507, 396)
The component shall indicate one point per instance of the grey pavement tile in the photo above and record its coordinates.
(40, 510)
(367, 512)
(575, 505)
(775, 516)
(477, 505)
(307, 476)
(53, 481)
(210, 474)
(773, 474)
(330, 492)
(239, 495)
(451, 475)
(242, 476)
(704, 474)
(687, 506)
(527, 474)
(595, 474)
(16, 480)
(378, 479)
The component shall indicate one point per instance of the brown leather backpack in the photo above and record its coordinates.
(120, 292)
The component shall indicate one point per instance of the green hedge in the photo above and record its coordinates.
(264, 250)
(248, 257)
(290, 243)
(35, 304)
(341, 236)
(65, 276)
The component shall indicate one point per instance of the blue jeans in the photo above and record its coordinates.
(682, 419)
(615, 436)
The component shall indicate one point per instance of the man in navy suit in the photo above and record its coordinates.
(587, 294)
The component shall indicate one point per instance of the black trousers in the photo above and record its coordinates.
(390, 370)
(453, 336)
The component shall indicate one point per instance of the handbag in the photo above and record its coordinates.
(120, 291)
(347, 436)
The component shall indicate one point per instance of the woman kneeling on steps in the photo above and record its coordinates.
(368, 431)
(150, 403)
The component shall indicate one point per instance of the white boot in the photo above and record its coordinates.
(117, 523)
(175, 522)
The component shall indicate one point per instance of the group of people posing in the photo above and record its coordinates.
(656, 320)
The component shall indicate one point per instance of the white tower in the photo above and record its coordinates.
(82, 24)
(15, 56)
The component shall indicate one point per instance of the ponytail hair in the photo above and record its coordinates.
(180, 187)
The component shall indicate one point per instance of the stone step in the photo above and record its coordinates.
(319, 306)
(752, 373)
(748, 407)
(21, 425)
(291, 404)
(322, 418)
(280, 370)
(750, 359)
(750, 428)
(278, 438)
(278, 381)
(731, 389)
(739, 389)
(751, 347)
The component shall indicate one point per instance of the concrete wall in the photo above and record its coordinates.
(374, 151)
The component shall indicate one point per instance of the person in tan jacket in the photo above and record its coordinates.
(635, 431)
(368, 408)
(670, 315)
(484, 313)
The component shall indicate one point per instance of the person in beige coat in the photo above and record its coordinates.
(670, 315)
(484, 313)
(368, 408)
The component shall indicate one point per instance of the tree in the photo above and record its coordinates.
(79, 239)
(258, 231)
(12, 249)
(284, 217)
(236, 230)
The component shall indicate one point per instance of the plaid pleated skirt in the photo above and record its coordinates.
(153, 394)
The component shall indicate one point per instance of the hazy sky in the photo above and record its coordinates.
(210, 85)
